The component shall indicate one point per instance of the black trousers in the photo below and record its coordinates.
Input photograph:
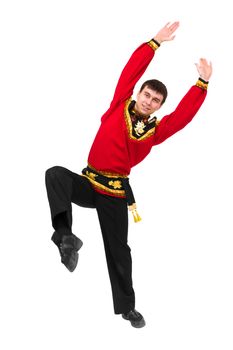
(65, 187)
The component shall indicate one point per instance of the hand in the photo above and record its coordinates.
(166, 33)
(204, 69)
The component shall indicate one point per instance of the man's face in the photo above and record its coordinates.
(148, 101)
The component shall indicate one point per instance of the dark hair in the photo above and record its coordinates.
(157, 86)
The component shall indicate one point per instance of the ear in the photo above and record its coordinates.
(138, 94)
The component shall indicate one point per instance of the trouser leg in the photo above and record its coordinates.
(113, 217)
(63, 188)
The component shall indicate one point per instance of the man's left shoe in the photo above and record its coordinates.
(135, 318)
(68, 245)
(68, 249)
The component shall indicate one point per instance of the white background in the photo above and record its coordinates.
(59, 64)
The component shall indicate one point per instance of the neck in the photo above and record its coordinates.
(135, 109)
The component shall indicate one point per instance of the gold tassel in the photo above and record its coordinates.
(133, 209)
(136, 216)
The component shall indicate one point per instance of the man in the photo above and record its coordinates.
(125, 137)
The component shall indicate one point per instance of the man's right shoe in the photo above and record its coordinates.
(68, 249)
(135, 318)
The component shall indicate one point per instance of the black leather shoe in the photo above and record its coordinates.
(135, 318)
(68, 249)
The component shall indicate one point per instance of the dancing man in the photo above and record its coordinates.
(127, 133)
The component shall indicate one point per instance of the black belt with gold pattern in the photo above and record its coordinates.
(113, 185)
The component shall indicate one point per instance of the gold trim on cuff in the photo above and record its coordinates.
(153, 45)
(202, 85)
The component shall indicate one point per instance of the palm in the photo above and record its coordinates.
(204, 69)
(167, 32)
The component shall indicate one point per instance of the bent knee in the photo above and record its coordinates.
(54, 171)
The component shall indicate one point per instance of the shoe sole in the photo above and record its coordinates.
(72, 267)
(136, 324)
(74, 256)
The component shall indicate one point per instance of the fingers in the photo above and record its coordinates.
(172, 38)
(172, 27)
(204, 62)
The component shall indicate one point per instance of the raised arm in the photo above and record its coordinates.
(188, 106)
(139, 61)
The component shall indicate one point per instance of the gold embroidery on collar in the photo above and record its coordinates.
(129, 125)
(139, 128)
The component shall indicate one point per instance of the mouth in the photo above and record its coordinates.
(145, 108)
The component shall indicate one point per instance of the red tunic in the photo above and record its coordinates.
(115, 149)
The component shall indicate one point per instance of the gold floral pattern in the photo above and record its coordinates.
(116, 184)
(91, 175)
(139, 128)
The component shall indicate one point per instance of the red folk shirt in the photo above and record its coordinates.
(115, 148)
